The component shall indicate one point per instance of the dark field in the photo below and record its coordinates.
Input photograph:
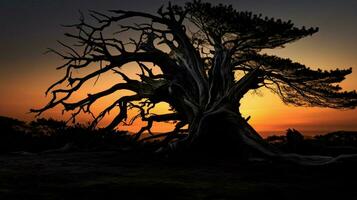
(122, 175)
(48, 160)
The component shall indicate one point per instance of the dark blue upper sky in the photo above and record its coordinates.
(29, 26)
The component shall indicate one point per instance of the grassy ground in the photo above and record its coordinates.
(98, 166)
(122, 175)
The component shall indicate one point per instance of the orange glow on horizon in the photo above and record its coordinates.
(268, 114)
(24, 89)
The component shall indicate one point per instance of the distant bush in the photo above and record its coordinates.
(339, 138)
(43, 134)
(334, 143)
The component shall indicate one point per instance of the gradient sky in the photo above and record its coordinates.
(28, 27)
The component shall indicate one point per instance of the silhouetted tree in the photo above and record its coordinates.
(210, 56)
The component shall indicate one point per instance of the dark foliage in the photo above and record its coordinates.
(332, 144)
(46, 134)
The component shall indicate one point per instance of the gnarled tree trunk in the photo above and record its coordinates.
(224, 132)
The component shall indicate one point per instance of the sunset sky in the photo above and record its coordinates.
(28, 27)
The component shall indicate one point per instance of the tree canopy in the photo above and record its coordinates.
(210, 56)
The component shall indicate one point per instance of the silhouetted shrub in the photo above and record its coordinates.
(43, 134)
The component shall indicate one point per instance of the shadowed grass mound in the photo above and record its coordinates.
(98, 168)
(128, 175)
